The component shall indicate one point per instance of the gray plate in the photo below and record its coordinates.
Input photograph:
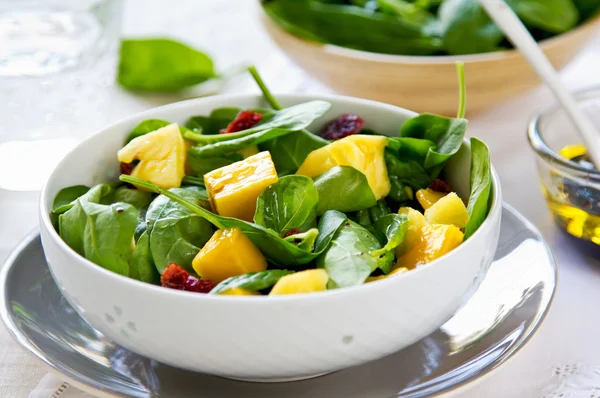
(497, 321)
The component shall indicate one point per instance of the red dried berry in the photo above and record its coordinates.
(175, 277)
(244, 120)
(290, 232)
(341, 127)
(440, 186)
(127, 168)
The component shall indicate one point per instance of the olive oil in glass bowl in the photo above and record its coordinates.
(569, 181)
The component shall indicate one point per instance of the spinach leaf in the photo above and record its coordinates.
(141, 266)
(101, 193)
(202, 165)
(219, 149)
(101, 233)
(277, 250)
(195, 181)
(446, 133)
(148, 126)
(351, 26)
(288, 204)
(409, 12)
(347, 260)
(134, 197)
(554, 16)
(467, 29)
(345, 189)
(587, 8)
(390, 230)
(162, 65)
(329, 224)
(407, 148)
(176, 233)
(369, 217)
(289, 151)
(405, 177)
(218, 119)
(481, 186)
(305, 240)
(254, 281)
(64, 199)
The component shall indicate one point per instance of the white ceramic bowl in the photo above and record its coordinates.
(263, 337)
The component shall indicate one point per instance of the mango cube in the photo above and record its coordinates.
(233, 189)
(435, 241)
(448, 210)
(228, 253)
(416, 221)
(428, 197)
(363, 152)
(162, 155)
(238, 291)
(311, 280)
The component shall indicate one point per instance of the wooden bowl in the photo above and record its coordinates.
(426, 83)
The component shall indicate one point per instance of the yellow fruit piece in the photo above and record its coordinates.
(238, 291)
(162, 155)
(416, 221)
(363, 152)
(435, 241)
(448, 210)
(428, 197)
(228, 253)
(312, 280)
(248, 151)
(396, 271)
(233, 189)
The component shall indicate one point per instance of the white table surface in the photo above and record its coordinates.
(562, 360)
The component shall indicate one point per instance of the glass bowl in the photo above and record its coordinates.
(572, 191)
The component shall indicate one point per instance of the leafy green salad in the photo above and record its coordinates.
(421, 27)
(250, 202)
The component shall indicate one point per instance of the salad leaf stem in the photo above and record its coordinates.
(462, 90)
(265, 90)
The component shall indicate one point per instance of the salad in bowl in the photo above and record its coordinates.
(256, 237)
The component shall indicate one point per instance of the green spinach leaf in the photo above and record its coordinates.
(390, 230)
(587, 8)
(134, 197)
(481, 186)
(202, 165)
(288, 204)
(405, 177)
(305, 240)
(222, 148)
(408, 11)
(162, 65)
(369, 217)
(66, 197)
(345, 189)
(141, 266)
(555, 16)
(254, 281)
(218, 119)
(407, 148)
(290, 151)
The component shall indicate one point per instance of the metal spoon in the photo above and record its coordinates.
(520, 37)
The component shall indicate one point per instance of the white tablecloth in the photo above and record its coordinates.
(562, 360)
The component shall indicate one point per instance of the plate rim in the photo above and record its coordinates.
(92, 386)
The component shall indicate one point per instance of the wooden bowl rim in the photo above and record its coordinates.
(430, 59)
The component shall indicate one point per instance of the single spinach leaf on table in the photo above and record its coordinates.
(554, 16)
(141, 265)
(290, 203)
(481, 186)
(347, 260)
(64, 199)
(345, 189)
(102, 233)
(277, 250)
(162, 65)
(467, 29)
(254, 281)
(390, 231)
(177, 234)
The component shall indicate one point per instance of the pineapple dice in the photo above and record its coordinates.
(428, 197)
(435, 241)
(312, 280)
(363, 152)
(416, 221)
(395, 271)
(162, 155)
(448, 210)
(238, 291)
(233, 189)
(228, 253)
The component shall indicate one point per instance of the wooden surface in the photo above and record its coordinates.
(426, 84)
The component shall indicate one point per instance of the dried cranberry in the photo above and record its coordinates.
(175, 277)
(290, 232)
(244, 120)
(440, 186)
(127, 168)
(341, 127)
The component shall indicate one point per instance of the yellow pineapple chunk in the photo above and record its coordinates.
(448, 210)
(416, 221)
(228, 253)
(363, 152)
(238, 291)
(435, 241)
(395, 271)
(428, 197)
(312, 280)
(233, 189)
(162, 156)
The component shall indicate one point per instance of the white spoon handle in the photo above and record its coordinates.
(519, 36)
